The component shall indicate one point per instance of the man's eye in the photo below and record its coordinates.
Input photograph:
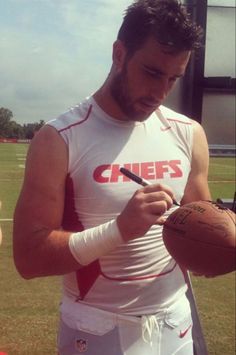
(152, 73)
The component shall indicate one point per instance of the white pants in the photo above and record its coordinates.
(94, 332)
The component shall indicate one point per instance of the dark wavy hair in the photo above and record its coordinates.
(165, 20)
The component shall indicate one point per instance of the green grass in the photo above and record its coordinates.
(222, 177)
(29, 309)
(216, 297)
(216, 304)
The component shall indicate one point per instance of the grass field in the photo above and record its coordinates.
(29, 309)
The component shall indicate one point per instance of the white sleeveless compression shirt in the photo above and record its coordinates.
(138, 277)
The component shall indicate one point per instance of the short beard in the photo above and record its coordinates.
(119, 89)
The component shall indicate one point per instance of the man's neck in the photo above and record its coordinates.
(107, 103)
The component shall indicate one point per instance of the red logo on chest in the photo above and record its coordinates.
(149, 171)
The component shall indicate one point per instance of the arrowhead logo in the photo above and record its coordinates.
(183, 333)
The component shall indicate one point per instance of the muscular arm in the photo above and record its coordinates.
(197, 185)
(40, 248)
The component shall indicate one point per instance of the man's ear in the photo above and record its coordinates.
(118, 54)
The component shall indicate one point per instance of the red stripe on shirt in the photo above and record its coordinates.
(135, 278)
(70, 221)
(87, 275)
(79, 122)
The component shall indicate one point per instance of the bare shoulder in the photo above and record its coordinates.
(197, 128)
(42, 195)
(200, 144)
(47, 139)
(47, 156)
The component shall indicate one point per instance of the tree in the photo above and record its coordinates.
(12, 129)
(5, 121)
(31, 128)
(15, 130)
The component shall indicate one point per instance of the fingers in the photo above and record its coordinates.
(157, 187)
(160, 221)
(162, 197)
(197, 274)
(146, 208)
(159, 192)
(158, 197)
(208, 276)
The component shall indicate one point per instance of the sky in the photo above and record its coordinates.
(54, 53)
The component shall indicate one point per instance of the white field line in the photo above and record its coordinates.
(21, 157)
(220, 181)
(6, 220)
(223, 166)
(223, 173)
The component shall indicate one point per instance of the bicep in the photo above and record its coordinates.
(41, 201)
(197, 185)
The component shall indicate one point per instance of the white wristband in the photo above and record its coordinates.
(93, 243)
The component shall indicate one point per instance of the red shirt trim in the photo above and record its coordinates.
(79, 122)
(134, 278)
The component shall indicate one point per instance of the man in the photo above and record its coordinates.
(78, 216)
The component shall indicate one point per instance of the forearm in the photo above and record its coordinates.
(47, 252)
(42, 249)
(43, 253)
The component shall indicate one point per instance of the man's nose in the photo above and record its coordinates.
(160, 89)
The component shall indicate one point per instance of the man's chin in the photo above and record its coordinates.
(139, 114)
(142, 115)
(142, 118)
(143, 111)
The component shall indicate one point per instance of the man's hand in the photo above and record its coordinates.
(144, 209)
(198, 274)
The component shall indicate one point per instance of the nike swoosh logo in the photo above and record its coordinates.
(165, 128)
(182, 334)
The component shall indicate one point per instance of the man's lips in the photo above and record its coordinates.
(150, 106)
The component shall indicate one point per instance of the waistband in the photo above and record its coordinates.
(77, 315)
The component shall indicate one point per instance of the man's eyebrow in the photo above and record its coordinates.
(157, 71)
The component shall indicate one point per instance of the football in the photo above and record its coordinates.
(200, 236)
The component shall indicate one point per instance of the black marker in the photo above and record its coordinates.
(139, 180)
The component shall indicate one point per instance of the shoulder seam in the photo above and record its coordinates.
(79, 122)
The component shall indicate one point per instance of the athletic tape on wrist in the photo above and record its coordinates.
(93, 243)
